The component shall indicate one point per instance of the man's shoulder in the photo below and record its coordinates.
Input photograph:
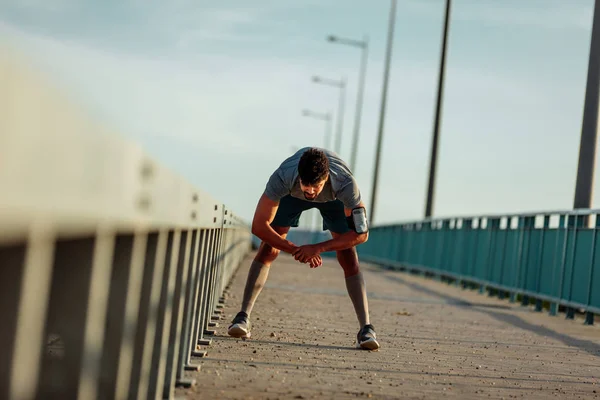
(287, 171)
(340, 172)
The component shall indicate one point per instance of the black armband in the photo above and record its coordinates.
(357, 221)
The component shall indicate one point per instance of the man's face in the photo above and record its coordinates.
(312, 191)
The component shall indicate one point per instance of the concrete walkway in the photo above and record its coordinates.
(438, 341)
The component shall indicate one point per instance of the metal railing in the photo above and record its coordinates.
(541, 257)
(112, 268)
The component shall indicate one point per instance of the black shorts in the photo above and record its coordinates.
(290, 209)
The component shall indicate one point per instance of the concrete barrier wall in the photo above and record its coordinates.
(112, 267)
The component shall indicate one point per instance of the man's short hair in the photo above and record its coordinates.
(313, 166)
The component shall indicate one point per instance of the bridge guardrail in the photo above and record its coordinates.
(112, 267)
(546, 256)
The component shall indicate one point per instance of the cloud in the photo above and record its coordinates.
(39, 6)
(174, 27)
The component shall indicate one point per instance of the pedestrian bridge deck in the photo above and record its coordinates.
(438, 341)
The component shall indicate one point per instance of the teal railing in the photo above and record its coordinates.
(548, 258)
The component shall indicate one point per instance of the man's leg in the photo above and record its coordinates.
(357, 290)
(257, 277)
(335, 220)
(288, 215)
(259, 271)
(355, 283)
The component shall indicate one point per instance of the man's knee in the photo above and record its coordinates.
(267, 254)
(348, 260)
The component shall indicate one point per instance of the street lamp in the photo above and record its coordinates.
(341, 84)
(386, 76)
(327, 118)
(324, 117)
(584, 184)
(438, 116)
(364, 45)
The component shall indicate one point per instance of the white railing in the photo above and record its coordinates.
(112, 267)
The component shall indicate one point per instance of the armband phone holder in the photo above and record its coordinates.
(359, 217)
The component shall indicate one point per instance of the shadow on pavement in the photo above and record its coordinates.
(387, 297)
(585, 345)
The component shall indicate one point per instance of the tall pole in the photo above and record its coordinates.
(323, 117)
(589, 129)
(341, 84)
(340, 122)
(327, 140)
(364, 46)
(438, 117)
(327, 143)
(386, 76)
(359, 102)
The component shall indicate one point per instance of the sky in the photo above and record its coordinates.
(215, 90)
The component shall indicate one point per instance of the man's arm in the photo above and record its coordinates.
(261, 225)
(345, 240)
(339, 242)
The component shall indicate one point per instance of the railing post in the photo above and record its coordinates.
(123, 311)
(183, 361)
(196, 298)
(207, 258)
(589, 315)
(480, 229)
(526, 224)
(485, 272)
(502, 293)
(554, 307)
(25, 278)
(165, 313)
(438, 249)
(146, 329)
(538, 302)
(463, 263)
(174, 334)
(77, 313)
(206, 312)
(576, 222)
(473, 242)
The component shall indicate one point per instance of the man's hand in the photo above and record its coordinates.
(306, 252)
(316, 261)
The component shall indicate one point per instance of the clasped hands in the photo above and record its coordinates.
(308, 253)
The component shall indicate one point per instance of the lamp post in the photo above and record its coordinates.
(341, 84)
(324, 117)
(327, 139)
(364, 46)
(386, 76)
(438, 116)
(589, 129)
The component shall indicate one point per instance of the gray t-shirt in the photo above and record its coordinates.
(340, 185)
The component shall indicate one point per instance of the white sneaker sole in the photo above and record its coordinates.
(371, 344)
(238, 332)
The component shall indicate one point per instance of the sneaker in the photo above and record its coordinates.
(240, 326)
(366, 338)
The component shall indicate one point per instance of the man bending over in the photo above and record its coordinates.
(310, 178)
